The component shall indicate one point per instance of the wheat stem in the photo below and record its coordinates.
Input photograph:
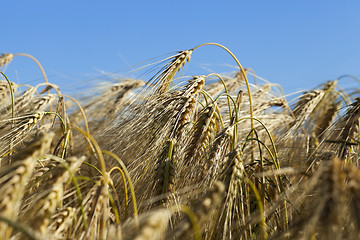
(226, 90)
(260, 205)
(130, 184)
(82, 112)
(242, 70)
(125, 187)
(36, 61)
(192, 217)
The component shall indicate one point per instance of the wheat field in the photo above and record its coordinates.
(174, 157)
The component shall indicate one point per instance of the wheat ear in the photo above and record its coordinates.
(351, 125)
(217, 152)
(15, 176)
(165, 171)
(61, 223)
(5, 59)
(164, 78)
(40, 210)
(187, 107)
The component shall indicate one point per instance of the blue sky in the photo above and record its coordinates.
(298, 44)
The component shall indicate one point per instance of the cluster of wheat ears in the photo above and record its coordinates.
(204, 157)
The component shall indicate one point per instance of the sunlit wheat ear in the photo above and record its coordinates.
(321, 200)
(5, 59)
(47, 199)
(164, 176)
(61, 223)
(48, 170)
(326, 110)
(205, 209)
(219, 149)
(24, 99)
(305, 106)
(5, 90)
(21, 102)
(32, 120)
(16, 133)
(232, 84)
(274, 102)
(153, 225)
(353, 188)
(332, 197)
(211, 199)
(187, 108)
(166, 75)
(114, 232)
(97, 210)
(233, 177)
(326, 119)
(112, 100)
(15, 176)
(121, 90)
(40, 175)
(350, 125)
(205, 129)
(42, 102)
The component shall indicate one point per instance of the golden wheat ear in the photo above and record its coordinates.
(187, 108)
(164, 77)
(216, 160)
(97, 212)
(353, 191)
(304, 107)
(61, 223)
(153, 225)
(5, 90)
(5, 59)
(44, 202)
(15, 176)
(350, 127)
(205, 209)
(164, 175)
(205, 129)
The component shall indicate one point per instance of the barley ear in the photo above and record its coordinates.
(165, 78)
(5, 59)
(15, 176)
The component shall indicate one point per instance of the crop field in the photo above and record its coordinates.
(175, 157)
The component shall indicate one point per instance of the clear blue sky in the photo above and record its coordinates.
(298, 44)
